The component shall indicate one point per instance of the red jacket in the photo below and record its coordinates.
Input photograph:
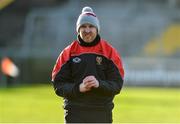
(78, 61)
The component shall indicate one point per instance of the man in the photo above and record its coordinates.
(88, 74)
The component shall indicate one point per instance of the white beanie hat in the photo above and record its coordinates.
(87, 16)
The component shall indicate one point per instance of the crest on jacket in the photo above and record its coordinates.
(99, 60)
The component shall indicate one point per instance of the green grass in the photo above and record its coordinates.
(40, 104)
(160, 105)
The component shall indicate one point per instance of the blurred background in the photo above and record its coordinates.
(145, 32)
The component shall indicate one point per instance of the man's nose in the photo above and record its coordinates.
(87, 30)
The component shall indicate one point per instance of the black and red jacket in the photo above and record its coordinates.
(81, 59)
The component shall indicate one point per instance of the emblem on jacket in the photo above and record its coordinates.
(76, 60)
(99, 60)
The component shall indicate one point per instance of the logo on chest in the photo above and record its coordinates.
(98, 60)
(76, 60)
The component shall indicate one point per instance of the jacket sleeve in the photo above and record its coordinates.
(61, 78)
(114, 76)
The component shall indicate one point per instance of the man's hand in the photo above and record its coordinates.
(88, 83)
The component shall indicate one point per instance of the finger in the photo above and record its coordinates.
(88, 78)
(90, 84)
(95, 83)
(87, 84)
(91, 76)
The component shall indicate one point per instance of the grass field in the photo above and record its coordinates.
(40, 104)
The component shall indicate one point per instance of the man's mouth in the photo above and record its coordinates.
(87, 34)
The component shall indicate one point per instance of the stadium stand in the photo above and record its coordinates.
(168, 41)
(133, 27)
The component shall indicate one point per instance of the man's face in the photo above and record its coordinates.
(88, 32)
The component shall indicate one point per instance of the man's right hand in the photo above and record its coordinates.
(83, 88)
(88, 83)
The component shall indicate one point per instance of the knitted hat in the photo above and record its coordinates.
(87, 16)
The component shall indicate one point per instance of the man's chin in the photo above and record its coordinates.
(88, 40)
